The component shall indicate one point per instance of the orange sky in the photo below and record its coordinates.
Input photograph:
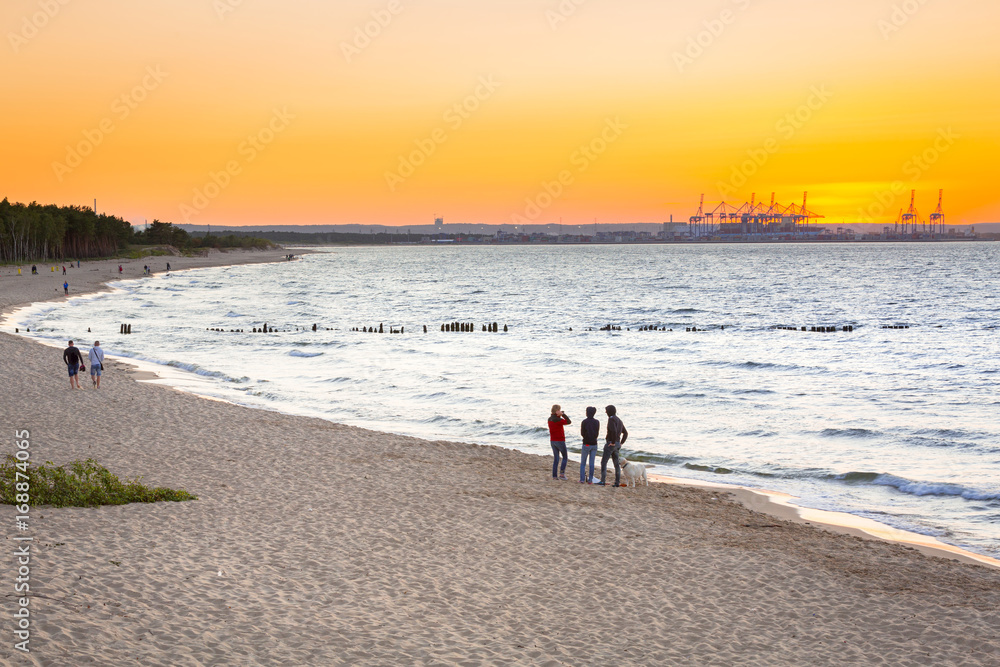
(244, 112)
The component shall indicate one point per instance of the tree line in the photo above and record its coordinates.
(36, 232)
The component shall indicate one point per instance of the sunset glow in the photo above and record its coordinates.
(246, 112)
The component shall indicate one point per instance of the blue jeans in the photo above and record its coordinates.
(558, 448)
(589, 452)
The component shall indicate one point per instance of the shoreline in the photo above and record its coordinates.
(767, 501)
(17, 291)
(317, 543)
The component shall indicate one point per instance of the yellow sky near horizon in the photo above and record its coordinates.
(248, 112)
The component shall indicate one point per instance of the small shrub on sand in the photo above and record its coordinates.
(76, 484)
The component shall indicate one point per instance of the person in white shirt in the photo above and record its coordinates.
(96, 357)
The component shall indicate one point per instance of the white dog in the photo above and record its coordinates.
(633, 473)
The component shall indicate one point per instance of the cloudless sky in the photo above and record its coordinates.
(243, 112)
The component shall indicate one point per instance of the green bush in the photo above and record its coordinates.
(76, 484)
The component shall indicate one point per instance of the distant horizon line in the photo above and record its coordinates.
(455, 226)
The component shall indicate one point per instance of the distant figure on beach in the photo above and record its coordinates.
(590, 428)
(65, 287)
(73, 361)
(616, 436)
(64, 269)
(557, 437)
(168, 266)
(119, 269)
(34, 269)
(78, 264)
(96, 358)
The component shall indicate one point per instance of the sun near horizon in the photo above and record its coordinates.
(250, 112)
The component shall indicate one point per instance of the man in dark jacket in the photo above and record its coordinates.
(616, 437)
(590, 428)
(73, 361)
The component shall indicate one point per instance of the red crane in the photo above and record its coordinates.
(911, 218)
(937, 217)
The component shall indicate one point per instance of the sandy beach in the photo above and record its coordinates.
(313, 543)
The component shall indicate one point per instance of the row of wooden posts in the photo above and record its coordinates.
(470, 326)
(828, 329)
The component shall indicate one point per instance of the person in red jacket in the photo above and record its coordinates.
(557, 437)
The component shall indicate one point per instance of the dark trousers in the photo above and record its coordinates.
(611, 452)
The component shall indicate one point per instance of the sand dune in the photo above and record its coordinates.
(314, 543)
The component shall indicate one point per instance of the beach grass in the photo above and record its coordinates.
(75, 484)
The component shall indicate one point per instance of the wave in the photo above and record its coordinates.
(849, 433)
(917, 488)
(341, 380)
(946, 433)
(180, 365)
(855, 477)
(654, 383)
(751, 365)
(701, 468)
(305, 355)
(913, 488)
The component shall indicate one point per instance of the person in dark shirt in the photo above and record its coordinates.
(73, 360)
(590, 428)
(616, 436)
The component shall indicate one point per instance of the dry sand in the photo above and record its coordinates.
(313, 543)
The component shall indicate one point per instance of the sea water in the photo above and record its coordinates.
(901, 425)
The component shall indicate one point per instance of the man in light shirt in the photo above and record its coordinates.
(96, 356)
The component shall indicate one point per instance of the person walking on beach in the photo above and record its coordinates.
(65, 287)
(168, 267)
(616, 436)
(557, 438)
(119, 269)
(96, 358)
(590, 428)
(73, 361)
